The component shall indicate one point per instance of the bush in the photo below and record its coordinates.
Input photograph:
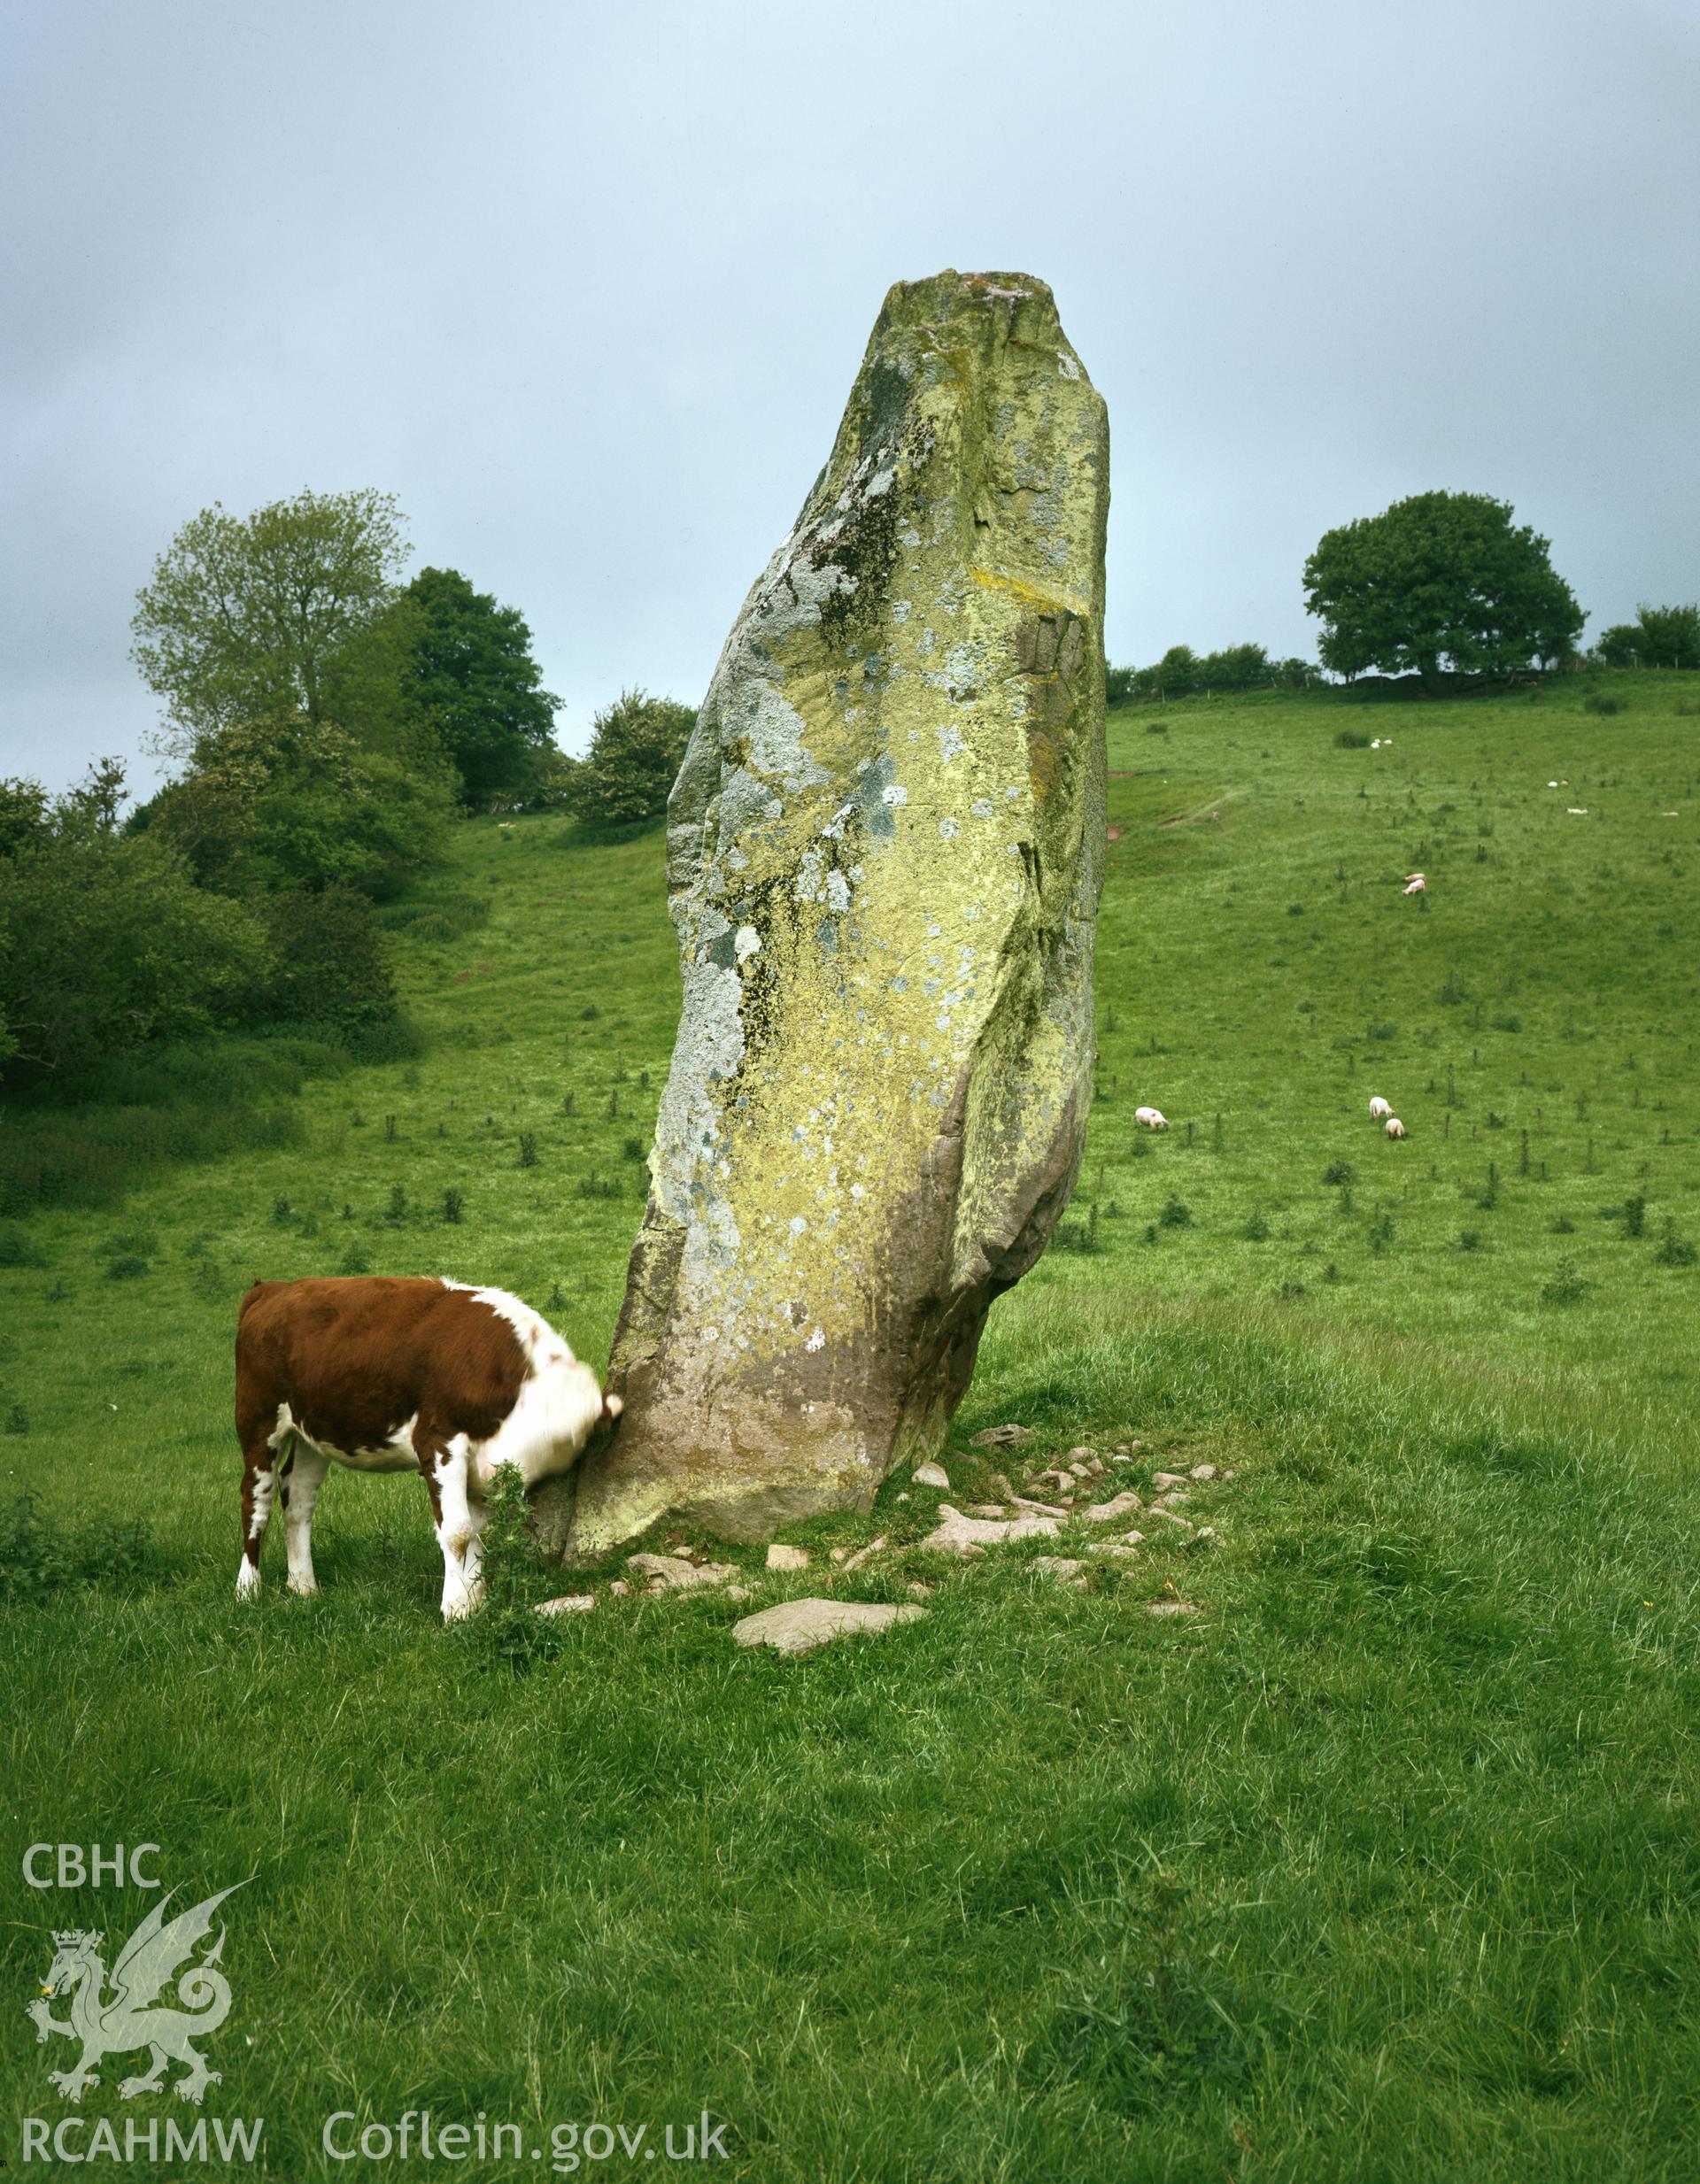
(636, 746)
(1674, 1250)
(38, 1556)
(1596, 701)
(1176, 1213)
(1339, 1172)
(332, 965)
(1348, 739)
(1565, 1285)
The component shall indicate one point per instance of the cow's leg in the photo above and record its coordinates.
(303, 1477)
(445, 1465)
(258, 1477)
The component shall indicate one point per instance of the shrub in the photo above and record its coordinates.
(1339, 1172)
(127, 1267)
(37, 1555)
(18, 1250)
(508, 1629)
(333, 965)
(1635, 1214)
(17, 1419)
(1674, 1250)
(1349, 739)
(354, 1261)
(453, 1206)
(636, 746)
(527, 1148)
(1563, 1285)
(1176, 1213)
(1256, 1229)
(1596, 701)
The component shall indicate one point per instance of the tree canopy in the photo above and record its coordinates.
(637, 744)
(1438, 580)
(1660, 636)
(470, 679)
(247, 618)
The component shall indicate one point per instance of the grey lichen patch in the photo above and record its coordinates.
(884, 854)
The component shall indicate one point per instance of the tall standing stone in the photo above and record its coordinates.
(884, 850)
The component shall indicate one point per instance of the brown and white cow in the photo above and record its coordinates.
(387, 1374)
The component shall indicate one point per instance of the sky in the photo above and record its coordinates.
(586, 287)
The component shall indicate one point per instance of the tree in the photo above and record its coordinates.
(1620, 646)
(637, 744)
(469, 677)
(105, 941)
(287, 803)
(1670, 636)
(1441, 577)
(245, 617)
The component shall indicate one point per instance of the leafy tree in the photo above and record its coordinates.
(470, 677)
(245, 616)
(1620, 646)
(1670, 636)
(637, 744)
(105, 941)
(291, 803)
(331, 964)
(1439, 577)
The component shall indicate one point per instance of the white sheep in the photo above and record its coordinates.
(1416, 884)
(1380, 1110)
(1394, 1127)
(1153, 1118)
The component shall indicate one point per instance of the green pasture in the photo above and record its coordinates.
(1379, 1863)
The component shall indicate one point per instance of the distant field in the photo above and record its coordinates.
(1382, 1864)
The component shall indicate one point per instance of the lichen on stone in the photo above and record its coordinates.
(883, 855)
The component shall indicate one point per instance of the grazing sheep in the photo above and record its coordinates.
(1394, 1127)
(1153, 1118)
(1416, 884)
(1380, 1110)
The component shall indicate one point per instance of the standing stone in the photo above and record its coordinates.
(884, 850)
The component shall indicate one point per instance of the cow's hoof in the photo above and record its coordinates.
(304, 1592)
(247, 1582)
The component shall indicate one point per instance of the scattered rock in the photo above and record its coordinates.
(902, 1497)
(967, 1535)
(783, 1557)
(1203, 1471)
(1064, 1568)
(1163, 1480)
(1038, 1509)
(1063, 1481)
(1079, 1471)
(1173, 1499)
(1003, 1436)
(987, 1508)
(1170, 1608)
(1181, 1523)
(1106, 1512)
(799, 1625)
(620, 1588)
(1114, 1548)
(840, 1554)
(1001, 1481)
(1132, 1539)
(567, 1604)
(930, 1475)
(739, 1592)
(917, 1591)
(671, 1574)
(866, 1554)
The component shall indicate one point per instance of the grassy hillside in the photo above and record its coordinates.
(1379, 1863)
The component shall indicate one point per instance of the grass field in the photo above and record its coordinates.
(1380, 1865)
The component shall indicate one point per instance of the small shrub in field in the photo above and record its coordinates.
(1635, 1214)
(1348, 739)
(208, 1281)
(354, 1261)
(38, 1554)
(527, 1148)
(1157, 728)
(1140, 1149)
(396, 1211)
(1563, 1226)
(1257, 1230)
(1596, 701)
(1339, 1171)
(1507, 1023)
(1470, 1240)
(1381, 1232)
(567, 1103)
(1295, 909)
(1331, 1273)
(127, 1267)
(1674, 1250)
(590, 1015)
(453, 1206)
(17, 1419)
(17, 1249)
(1383, 1033)
(1563, 1285)
(280, 1212)
(1291, 1290)
(633, 1149)
(1176, 1213)
(597, 1186)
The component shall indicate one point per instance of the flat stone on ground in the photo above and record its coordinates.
(671, 1574)
(783, 1557)
(1106, 1512)
(964, 1535)
(1003, 1436)
(799, 1625)
(930, 1475)
(567, 1604)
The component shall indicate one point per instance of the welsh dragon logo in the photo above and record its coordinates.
(132, 2015)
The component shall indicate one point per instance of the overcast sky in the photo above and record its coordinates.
(586, 287)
